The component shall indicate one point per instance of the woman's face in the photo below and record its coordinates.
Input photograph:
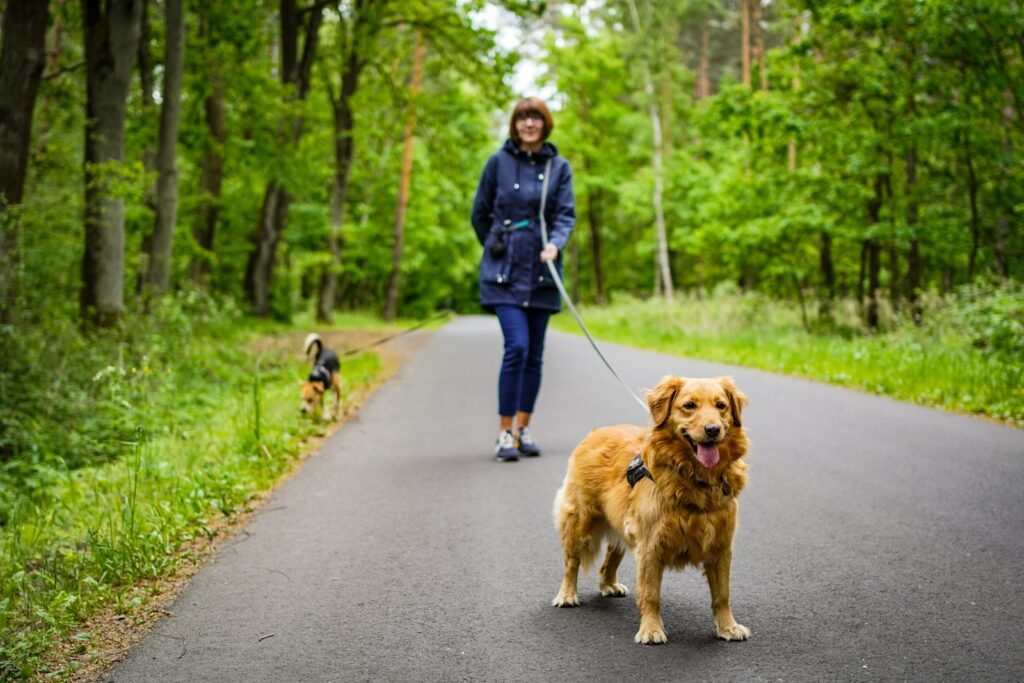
(530, 127)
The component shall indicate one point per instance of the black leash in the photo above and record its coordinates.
(352, 352)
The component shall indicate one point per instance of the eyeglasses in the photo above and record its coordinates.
(530, 116)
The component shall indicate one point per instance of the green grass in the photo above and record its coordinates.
(937, 364)
(182, 428)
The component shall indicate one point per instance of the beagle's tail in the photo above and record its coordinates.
(313, 339)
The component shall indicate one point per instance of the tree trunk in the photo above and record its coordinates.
(212, 177)
(913, 286)
(22, 59)
(703, 83)
(791, 148)
(594, 219)
(664, 267)
(404, 180)
(111, 41)
(745, 47)
(913, 293)
(344, 151)
(260, 267)
(874, 252)
(874, 283)
(828, 277)
(659, 209)
(972, 193)
(145, 63)
(1005, 204)
(159, 270)
(894, 275)
(862, 273)
(755, 20)
(295, 72)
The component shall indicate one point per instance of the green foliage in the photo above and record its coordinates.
(989, 315)
(908, 104)
(889, 129)
(934, 365)
(139, 446)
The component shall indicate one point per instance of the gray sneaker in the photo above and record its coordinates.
(526, 444)
(505, 447)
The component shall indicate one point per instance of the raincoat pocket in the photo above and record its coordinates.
(495, 269)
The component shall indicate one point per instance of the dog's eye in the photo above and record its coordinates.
(720, 405)
(689, 405)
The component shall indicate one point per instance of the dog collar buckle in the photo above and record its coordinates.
(637, 471)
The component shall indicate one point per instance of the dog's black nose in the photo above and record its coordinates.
(713, 430)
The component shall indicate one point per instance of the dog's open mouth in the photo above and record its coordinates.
(707, 452)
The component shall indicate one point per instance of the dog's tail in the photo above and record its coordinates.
(313, 339)
(580, 537)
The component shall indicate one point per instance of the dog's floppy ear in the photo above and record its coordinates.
(737, 399)
(659, 399)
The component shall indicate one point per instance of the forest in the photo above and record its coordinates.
(293, 156)
(178, 175)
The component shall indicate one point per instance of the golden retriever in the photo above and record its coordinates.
(677, 506)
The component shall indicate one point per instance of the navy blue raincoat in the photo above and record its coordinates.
(507, 207)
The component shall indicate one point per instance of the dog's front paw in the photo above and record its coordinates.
(565, 599)
(615, 590)
(651, 635)
(734, 632)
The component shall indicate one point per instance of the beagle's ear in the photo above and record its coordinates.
(737, 399)
(659, 399)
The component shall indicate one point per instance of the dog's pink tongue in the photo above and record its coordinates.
(708, 455)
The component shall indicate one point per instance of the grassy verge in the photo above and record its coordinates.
(181, 429)
(937, 364)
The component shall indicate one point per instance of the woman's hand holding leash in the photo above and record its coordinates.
(550, 253)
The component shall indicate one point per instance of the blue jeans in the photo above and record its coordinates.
(519, 381)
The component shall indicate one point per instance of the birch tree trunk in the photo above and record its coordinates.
(664, 269)
(404, 180)
(111, 41)
(21, 68)
(158, 272)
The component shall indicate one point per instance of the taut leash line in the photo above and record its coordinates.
(353, 352)
(565, 295)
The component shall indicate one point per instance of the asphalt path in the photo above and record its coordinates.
(877, 541)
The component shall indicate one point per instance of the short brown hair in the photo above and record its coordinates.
(530, 105)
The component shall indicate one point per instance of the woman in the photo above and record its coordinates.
(515, 283)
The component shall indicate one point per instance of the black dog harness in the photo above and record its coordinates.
(637, 471)
(326, 363)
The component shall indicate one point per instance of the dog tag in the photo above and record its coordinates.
(725, 488)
